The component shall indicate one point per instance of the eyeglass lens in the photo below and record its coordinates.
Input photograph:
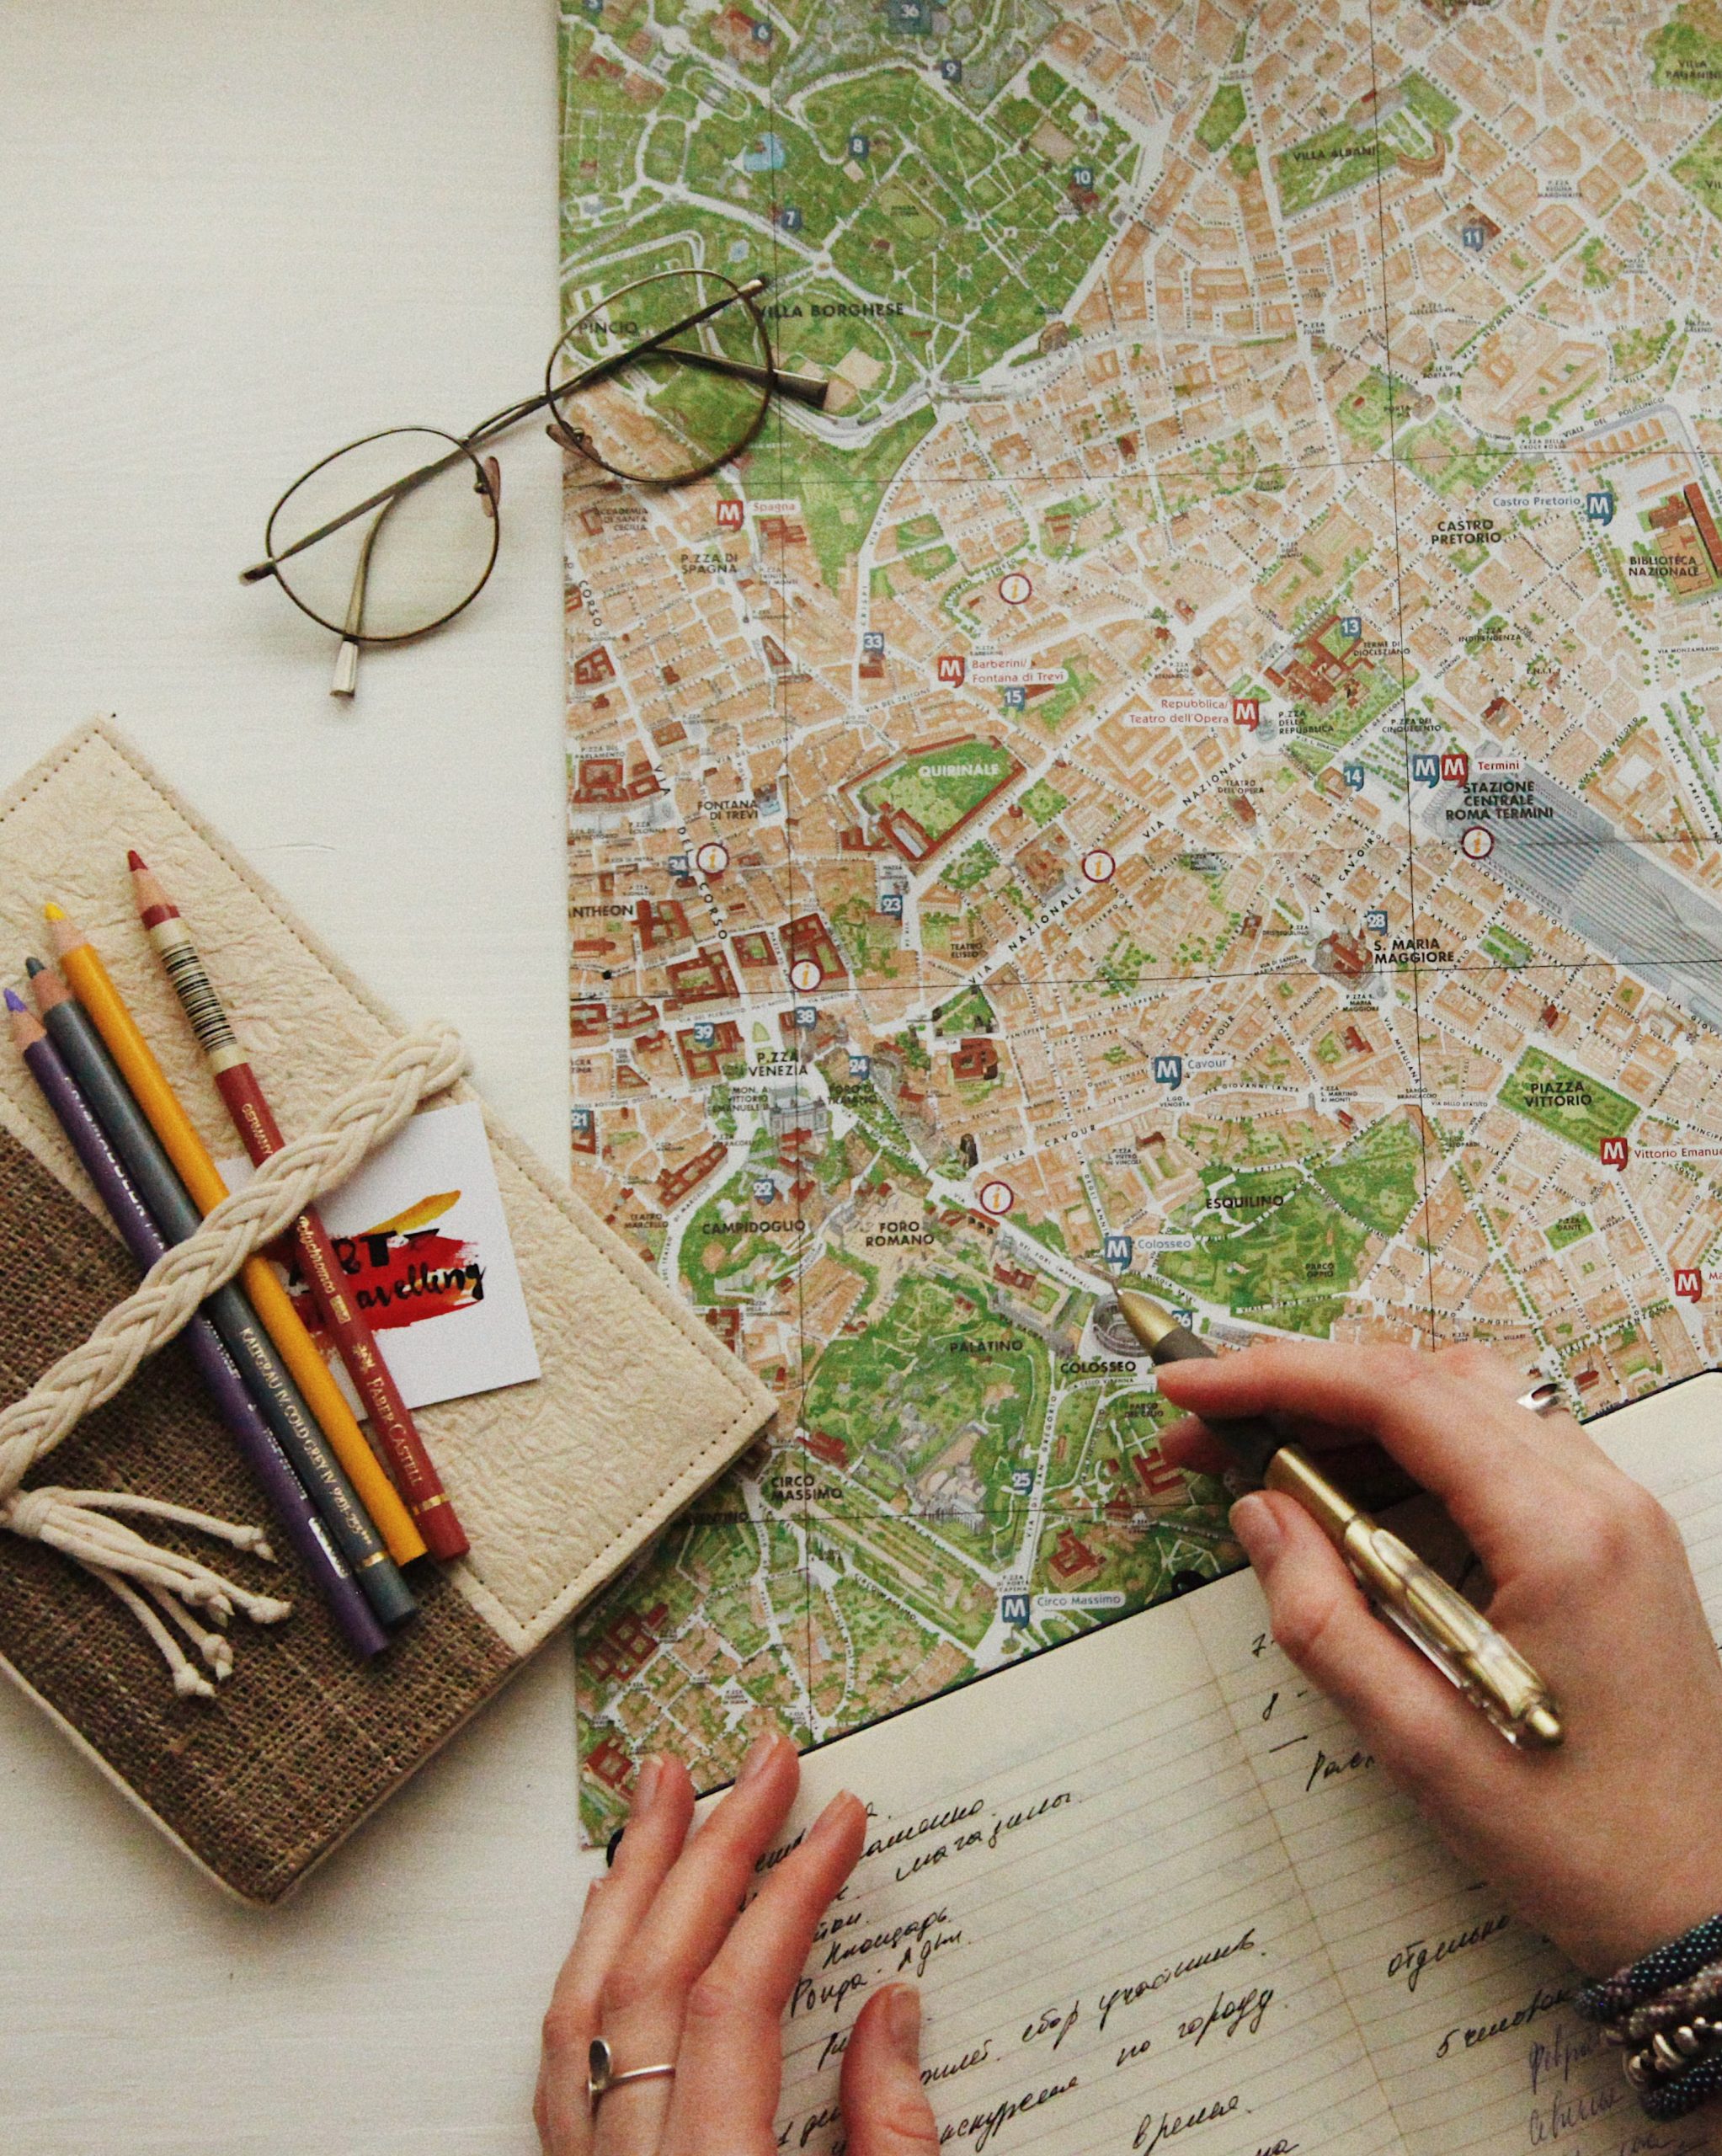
(402, 566)
(672, 412)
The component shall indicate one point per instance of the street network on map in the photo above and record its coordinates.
(1201, 766)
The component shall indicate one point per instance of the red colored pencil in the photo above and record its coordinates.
(415, 1476)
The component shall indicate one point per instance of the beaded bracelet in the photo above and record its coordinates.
(1673, 1997)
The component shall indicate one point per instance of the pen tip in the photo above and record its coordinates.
(14, 1002)
(1145, 1317)
(135, 860)
(52, 912)
(33, 966)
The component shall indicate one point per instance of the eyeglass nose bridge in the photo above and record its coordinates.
(488, 483)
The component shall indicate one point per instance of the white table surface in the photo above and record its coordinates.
(232, 237)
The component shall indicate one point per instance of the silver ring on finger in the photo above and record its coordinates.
(602, 2076)
(1543, 1398)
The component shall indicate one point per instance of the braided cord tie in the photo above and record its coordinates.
(83, 1524)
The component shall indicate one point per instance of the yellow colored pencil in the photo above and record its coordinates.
(91, 982)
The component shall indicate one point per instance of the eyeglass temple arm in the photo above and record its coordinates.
(346, 675)
(805, 388)
(496, 424)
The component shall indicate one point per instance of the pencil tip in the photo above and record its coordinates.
(134, 860)
(33, 966)
(14, 1002)
(52, 912)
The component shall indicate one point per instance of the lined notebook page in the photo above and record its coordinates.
(1076, 1861)
(1466, 2014)
(1159, 1897)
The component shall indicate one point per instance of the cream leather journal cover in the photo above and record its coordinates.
(558, 1483)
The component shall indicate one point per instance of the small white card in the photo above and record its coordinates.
(424, 1247)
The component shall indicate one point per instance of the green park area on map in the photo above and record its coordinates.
(1201, 764)
(1566, 1101)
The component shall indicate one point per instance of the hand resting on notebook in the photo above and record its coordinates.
(665, 1970)
(1611, 1843)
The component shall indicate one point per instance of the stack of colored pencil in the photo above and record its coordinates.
(351, 1526)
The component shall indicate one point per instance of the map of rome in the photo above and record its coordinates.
(1202, 765)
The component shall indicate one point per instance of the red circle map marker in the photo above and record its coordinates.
(712, 860)
(1098, 865)
(1015, 588)
(806, 972)
(996, 1198)
(1478, 842)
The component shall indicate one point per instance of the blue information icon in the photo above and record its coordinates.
(762, 33)
(1021, 1482)
(1354, 776)
(678, 864)
(704, 1032)
(1350, 625)
(1016, 697)
(581, 1121)
(1375, 921)
(951, 70)
(789, 218)
(859, 147)
(1473, 235)
(861, 1067)
(807, 1015)
(764, 1190)
(1082, 175)
(872, 640)
(891, 902)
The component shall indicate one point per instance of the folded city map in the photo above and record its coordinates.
(1199, 765)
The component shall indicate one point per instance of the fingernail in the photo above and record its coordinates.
(832, 1819)
(902, 2023)
(1254, 1524)
(760, 1754)
(646, 1785)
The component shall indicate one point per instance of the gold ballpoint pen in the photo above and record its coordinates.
(1490, 1672)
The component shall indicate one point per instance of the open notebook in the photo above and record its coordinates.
(1159, 1898)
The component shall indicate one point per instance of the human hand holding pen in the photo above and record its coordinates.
(1613, 1842)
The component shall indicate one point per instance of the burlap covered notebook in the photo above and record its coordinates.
(557, 1482)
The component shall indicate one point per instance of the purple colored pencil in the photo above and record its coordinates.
(285, 1493)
